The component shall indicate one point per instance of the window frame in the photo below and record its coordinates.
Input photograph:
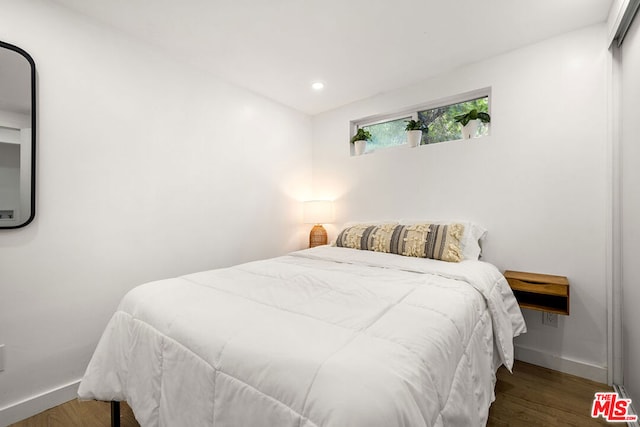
(412, 113)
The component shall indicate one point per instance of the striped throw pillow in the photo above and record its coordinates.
(367, 237)
(423, 240)
(435, 241)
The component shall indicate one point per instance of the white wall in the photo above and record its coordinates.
(630, 210)
(146, 169)
(538, 183)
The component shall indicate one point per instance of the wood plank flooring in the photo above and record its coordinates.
(532, 396)
(80, 414)
(535, 396)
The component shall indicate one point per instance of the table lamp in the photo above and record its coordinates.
(318, 212)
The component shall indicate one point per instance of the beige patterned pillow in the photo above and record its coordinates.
(376, 237)
(424, 240)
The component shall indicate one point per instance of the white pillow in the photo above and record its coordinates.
(470, 242)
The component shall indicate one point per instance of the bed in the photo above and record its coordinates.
(329, 336)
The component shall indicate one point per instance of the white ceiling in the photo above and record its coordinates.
(358, 48)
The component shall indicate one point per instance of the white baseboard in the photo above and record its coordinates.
(38, 403)
(562, 364)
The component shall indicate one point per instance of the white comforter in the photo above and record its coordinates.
(328, 336)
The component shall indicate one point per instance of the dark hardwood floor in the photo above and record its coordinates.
(532, 396)
(535, 396)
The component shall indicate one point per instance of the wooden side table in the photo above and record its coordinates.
(542, 292)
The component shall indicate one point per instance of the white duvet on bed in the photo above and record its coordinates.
(328, 336)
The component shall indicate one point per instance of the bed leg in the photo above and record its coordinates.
(115, 414)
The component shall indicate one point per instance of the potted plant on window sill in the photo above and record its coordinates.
(469, 122)
(414, 131)
(359, 141)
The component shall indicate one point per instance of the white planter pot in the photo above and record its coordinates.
(360, 146)
(469, 130)
(414, 137)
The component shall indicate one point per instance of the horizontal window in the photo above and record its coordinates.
(386, 134)
(439, 117)
(442, 124)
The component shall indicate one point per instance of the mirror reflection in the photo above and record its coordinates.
(17, 137)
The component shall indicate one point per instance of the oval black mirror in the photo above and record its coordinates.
(17, 137)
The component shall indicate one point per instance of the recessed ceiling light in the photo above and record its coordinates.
(317, 86)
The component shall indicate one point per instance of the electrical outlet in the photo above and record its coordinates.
(550, 319)
(1, 357)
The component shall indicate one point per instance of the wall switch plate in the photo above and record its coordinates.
(1, 357)
(550, 319)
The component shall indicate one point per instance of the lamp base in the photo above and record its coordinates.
(318, 236)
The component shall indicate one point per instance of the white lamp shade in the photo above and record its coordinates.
(318, 212)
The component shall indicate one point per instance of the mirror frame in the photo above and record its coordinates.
(32, 197)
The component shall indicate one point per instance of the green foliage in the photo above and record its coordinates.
(463, 119)
(361, 135)
(416, 125)
(387, 134)
(442, 123)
